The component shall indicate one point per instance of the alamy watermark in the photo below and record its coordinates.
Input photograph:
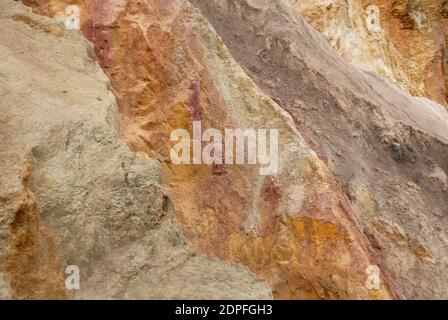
(228, 150)
(72, 282)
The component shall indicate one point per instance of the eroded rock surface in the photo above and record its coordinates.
(362, 177)
(403, 41)
(387, 151)
(73, 194)
(169, 67)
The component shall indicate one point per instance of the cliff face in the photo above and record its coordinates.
(362, 179)
(73, 194)
(403, 41)
(169, 67)
(387, 149)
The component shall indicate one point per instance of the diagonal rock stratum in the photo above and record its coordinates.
(388, 150)
(362, 177)
(71, 191)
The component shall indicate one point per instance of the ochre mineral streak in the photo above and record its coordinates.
(362, 164)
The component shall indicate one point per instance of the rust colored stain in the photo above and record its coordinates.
(33, 265)
(195, 103)
(269, 207)
(219, 169)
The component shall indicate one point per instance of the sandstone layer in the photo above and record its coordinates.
(387, 151)
(169, 67)
(404, 41)
(362, 179)
(72, 193)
